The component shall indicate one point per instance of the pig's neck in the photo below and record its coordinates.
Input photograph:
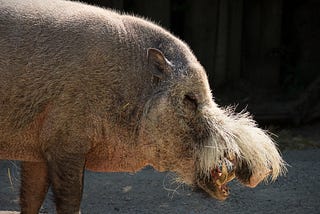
(119, 153)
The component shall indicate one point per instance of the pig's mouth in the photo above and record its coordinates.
(216, 184)
(226, 171)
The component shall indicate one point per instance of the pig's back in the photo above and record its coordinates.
(49, 47)
(54, 32)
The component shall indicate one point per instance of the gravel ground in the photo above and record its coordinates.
(151, 192)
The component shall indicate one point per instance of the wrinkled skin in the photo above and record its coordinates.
(84, 87)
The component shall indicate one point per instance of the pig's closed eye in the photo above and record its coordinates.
(190, 101)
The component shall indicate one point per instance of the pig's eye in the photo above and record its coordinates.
(190, 101)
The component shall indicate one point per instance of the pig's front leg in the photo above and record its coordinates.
(34, 186)
(66, 176)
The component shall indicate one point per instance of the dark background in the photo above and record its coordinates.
(259, 54)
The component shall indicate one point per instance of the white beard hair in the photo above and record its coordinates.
(236, 134)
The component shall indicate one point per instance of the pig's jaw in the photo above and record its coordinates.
(216, 184)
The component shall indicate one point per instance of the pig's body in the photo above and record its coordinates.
(87, 87)
(79, 66)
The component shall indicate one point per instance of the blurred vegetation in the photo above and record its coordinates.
(295, 138)
(288, 140)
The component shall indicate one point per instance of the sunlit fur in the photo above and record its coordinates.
(236, 134)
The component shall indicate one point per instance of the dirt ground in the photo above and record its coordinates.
(151, 192)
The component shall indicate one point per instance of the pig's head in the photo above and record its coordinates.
(205, 145)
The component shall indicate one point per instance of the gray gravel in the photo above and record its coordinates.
(148, 192)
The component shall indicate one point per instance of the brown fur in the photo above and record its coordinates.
(82, 86)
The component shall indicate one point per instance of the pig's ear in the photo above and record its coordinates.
(163, 66)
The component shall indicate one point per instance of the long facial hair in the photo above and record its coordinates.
(230, 135)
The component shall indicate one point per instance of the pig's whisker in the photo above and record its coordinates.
(174, 180)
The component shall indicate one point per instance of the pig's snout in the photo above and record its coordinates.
(236, 148)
